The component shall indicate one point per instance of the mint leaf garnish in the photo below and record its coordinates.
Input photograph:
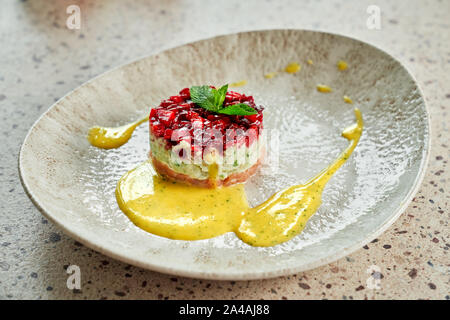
(204, 97)
(212, 100)
(221, 93)
(239, 109)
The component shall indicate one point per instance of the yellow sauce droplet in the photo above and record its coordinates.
(238, 84)
(310, 62)
(292, 67)
(178, 211)
(342, 65)
(270, 75)
(110, 138)
(213, 171)
(323, 88)
(348, 100)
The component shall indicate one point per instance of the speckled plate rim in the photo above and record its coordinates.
(235, 276)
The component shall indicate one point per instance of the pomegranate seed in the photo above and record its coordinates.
(158, 129)
(184, 106)
(247, 99)
(166, 116)
(152, 113)
(168, 133)
(219, 124)
(176, 99)
(185, 93)
(232, 96)
(166, 103)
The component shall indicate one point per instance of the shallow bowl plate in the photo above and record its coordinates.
(73, 183)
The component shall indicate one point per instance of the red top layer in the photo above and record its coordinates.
(178, 118)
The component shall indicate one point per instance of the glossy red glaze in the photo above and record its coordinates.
(178, 118)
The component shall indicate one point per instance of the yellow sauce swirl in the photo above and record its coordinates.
(284, 215)
(178, 211)
(111, 138)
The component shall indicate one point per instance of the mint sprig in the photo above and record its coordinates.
(238, 109)
(212, 100)
(204, 97)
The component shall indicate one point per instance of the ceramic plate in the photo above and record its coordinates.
(73, 183)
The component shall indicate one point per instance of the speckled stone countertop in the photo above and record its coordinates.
(41, 60)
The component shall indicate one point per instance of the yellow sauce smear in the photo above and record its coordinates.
(323, 88)
(238, 84)
(177, 211)
(270, 75)
(110, 138)
(342, 65)
(347, 99)
(292, 67)
(213, 171)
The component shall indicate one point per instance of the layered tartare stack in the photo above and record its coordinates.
(209, 139)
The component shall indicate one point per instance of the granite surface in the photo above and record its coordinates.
(41, 60)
